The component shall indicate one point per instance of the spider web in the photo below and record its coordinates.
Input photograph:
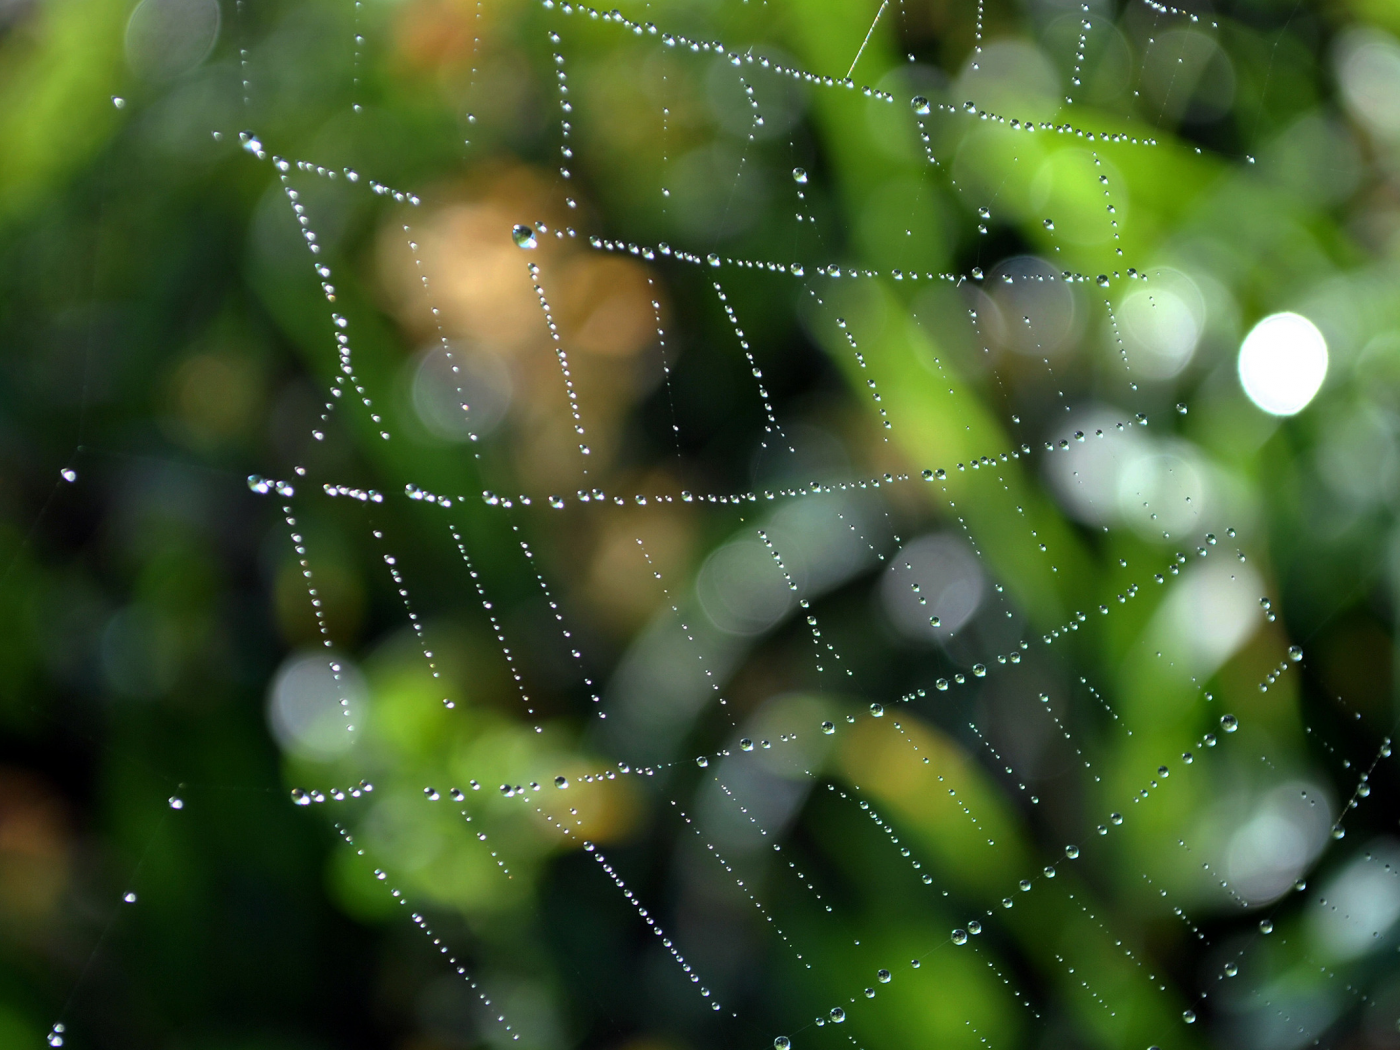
(928, 689)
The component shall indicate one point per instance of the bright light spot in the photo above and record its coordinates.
(743, 591)
(1085, 476)
(936, 576)
(1164, 491)
(1161, 324)
(1269, 850)
(1209, 615)
(314, 700)
(1368, 67)
(1366, 895)
(453, 405)
(1283, 362)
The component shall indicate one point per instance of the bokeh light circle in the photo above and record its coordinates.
(1283, 362)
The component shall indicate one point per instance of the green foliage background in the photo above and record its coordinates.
(163, 335)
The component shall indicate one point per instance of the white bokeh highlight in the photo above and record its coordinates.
(937, 575)
(1282, 364)
(304, 705)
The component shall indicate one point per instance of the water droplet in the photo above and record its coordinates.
(959, 936)
(1103, 280)
(799, 176)
(1265, 926)
(1115, 818)
(561, 781)
(712, 259)
(1339, 832)
(883, 976)
(1072, 852)
(920, 104)
(1295, 653)
(974, 927)
(119, 102)
(1229, 723)
(782, 1043)
(300, 797)
(1231, 969)
(130, 898)
(69, 475)
(1163, 772)
(828, 728)
(1189, 1016)
(702, 762)
(746, 744)
(523, 236)
(980, 670)
(1049, 224)
(877, 710)
(176, 802)
(837, 1015)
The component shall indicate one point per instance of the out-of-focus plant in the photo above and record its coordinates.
(167, 680)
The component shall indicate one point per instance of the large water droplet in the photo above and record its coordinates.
(920, 104)
(1229, 723)
(523, 236)
(883, 976)
(828, 728)
(959, 936)
(1295, 653)
(837, 1015)
(782, 1043)
(799, 175)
